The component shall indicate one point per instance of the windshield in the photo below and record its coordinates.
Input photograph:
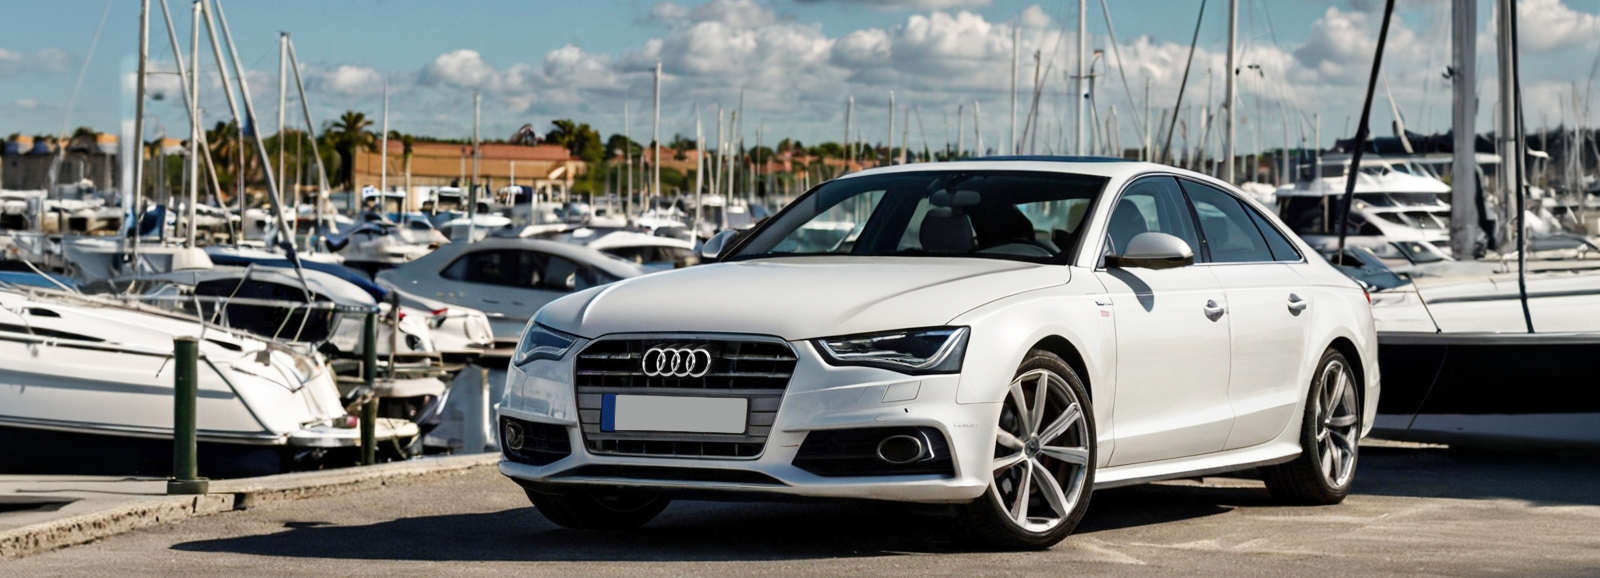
(1026, 216)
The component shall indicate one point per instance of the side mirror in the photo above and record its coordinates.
(714, 246)
(1153, 251)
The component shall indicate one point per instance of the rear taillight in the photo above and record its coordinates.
(1368, 295)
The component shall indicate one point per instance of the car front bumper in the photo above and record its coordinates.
(818, 397)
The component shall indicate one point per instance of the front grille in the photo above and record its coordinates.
(753, 368)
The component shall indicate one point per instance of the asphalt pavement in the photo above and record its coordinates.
(1414, 512)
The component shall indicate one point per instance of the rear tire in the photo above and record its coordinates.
(1043, 468)
(599, 510)
(1329, 434)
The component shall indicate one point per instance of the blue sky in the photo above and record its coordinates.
(796, 60)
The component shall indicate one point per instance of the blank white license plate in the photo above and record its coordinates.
(673, 413)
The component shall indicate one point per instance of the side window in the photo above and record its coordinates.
(562, 275)
(1230, 235)
(1150, 204)
(1282, 249)
(488, 267)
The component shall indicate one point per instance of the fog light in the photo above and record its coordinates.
(513, 436)
(900, 449)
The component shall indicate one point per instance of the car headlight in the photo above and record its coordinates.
(540, 342)
(915, 351)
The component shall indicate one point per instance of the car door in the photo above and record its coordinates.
(1267, 302)
(1171, 336)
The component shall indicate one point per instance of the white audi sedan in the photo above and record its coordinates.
(1003, 335)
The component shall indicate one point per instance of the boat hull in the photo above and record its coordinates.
(49, 451)
(1507, 389)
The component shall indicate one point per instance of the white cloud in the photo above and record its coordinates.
(1550, 25)
(27, 103)
(352, 80)
(910, 4)
(463, 68)
(45, 62)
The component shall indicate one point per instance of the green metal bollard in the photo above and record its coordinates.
(185, 391)
(369, 410)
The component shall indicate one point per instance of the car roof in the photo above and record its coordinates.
(1109, 167)
(578, 253)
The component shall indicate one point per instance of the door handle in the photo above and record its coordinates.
(1213, 311)
(1296, 304)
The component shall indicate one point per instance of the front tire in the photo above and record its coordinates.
(599, 511)
(1329, 434)
(1044, 456)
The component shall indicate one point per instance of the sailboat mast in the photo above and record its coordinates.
(305, 110)
(961, 130)
(849, 111)
(1463, 169)
(1083, 67)
(655, 166)
(472, 184)
(627, 156)
(383, 148)
(249, 120)
(699, 168)
(1230, 88)
(1505, 132)
(1015, 42)
(283, 97)
(138, 128)
(195, 131)
(977, 131)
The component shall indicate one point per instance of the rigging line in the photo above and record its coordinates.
(1362, 130)
(1521, 150)
(1267, 15)
(1121, 68)
(77, 87)
(1166, 149)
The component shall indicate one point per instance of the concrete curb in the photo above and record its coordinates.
(225, 496)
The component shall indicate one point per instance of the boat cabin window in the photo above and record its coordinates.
(45, 332)
(1315, 215)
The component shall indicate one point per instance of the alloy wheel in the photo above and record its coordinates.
(1337, 421)
(1041, 452)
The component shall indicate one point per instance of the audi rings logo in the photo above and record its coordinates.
(668, 361)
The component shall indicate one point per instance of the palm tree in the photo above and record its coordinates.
(347, 134)
(566, 133)
(224, 142)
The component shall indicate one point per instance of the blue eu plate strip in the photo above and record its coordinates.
(608, 412)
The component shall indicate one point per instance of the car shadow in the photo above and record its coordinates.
(754, 531)
(1544, 479)
(686, 532)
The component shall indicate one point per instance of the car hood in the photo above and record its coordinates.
(798, 297)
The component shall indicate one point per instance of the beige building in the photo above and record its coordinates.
(545, 167)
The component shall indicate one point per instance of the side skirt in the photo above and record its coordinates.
(1268, 454)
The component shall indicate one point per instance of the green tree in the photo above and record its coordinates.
(618, 143)
(346, 135)
(585, 143)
